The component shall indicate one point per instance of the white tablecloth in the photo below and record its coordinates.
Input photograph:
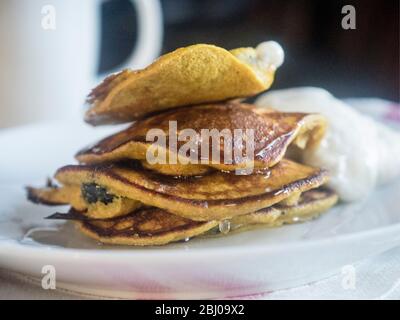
(375, 278)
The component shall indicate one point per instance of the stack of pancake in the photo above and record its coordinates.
(118, 196)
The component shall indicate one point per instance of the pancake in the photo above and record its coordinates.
(193, 75)
(309, 205)
(143, 227)
(102, 206)
(214, 196)
(178, 169)
(152, 226)
(273, 133)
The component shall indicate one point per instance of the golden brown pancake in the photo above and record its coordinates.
(193, 75)
(309, 205)
(178, 169)
(153, 226)
(146, 226)
(214, 196)
(72, 194)
(273, 133)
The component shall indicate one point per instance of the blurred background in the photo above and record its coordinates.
(361, 62)
(319, 52)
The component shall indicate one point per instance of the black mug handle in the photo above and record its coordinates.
(146, 37)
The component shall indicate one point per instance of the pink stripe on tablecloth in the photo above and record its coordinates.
(393, 112)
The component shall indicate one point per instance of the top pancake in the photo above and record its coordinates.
(192, 75)
(273, 133)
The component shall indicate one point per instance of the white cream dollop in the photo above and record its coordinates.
(270, 54)
(359, 152)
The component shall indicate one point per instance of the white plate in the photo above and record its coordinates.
(230, 266)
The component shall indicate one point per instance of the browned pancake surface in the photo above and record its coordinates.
(217, 195)
(273, 132)
(145, 226)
